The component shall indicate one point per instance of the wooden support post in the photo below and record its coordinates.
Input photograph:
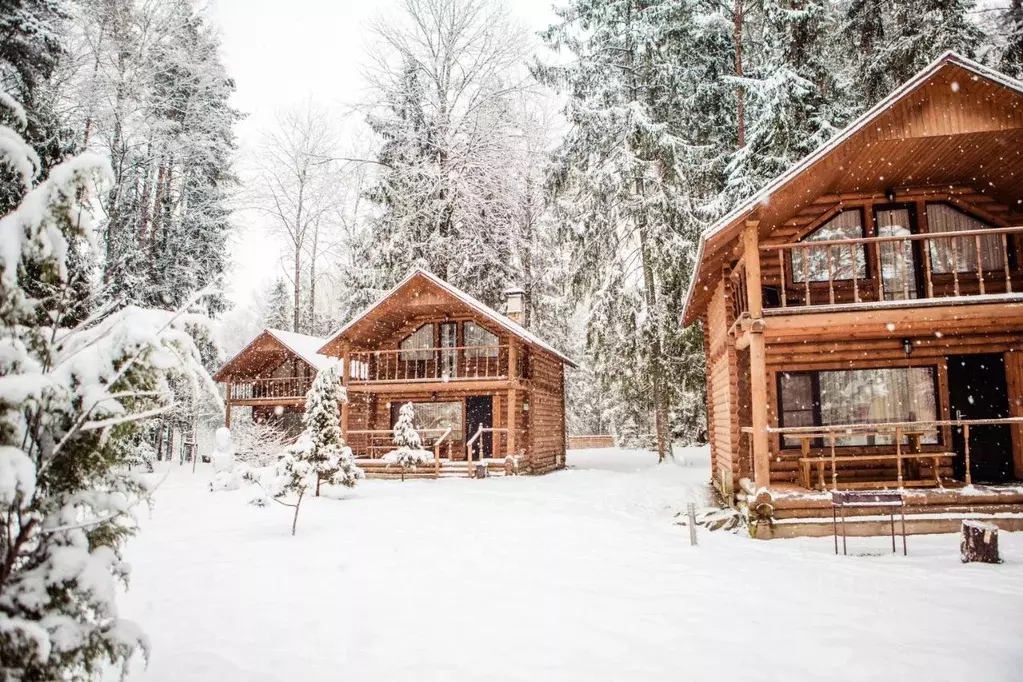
(966, 442)
(757, 356)
(513, 374)
(227, 407)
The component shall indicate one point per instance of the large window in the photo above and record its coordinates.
(479, 342)
(417, 345)
(434, 416)
(845, 261)
(942, 218)
(861, 396)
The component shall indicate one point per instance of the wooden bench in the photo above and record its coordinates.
(824, 460)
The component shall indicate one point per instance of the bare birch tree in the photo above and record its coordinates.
(296, 189)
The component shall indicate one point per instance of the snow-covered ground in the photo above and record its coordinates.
(578, 575)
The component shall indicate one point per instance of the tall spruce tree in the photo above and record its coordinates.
(278, 306)
(795, 103)
(1011, 24)
(632, 178)
(887, 42)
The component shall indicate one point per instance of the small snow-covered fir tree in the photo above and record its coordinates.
(290, 479)
(409, 453)
(75, 395)
(330, 458)
(279, 307)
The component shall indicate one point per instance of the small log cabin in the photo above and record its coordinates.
(863, 315)
(482, 385)
(271, 375)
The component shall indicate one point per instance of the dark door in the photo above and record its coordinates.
(479, 409)
(977, 390)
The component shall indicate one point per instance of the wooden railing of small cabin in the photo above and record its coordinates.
(430, 364)
(374, 443)
(275, 388)
(911, 432)
(891, 277)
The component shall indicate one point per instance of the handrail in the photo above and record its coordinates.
(920, 236)
(444, 363)
(896, 273)
(468, 445)
(436, 450)
(432, 349)
(910, 429)
(269, 387)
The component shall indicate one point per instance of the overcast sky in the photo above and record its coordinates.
(281, 54)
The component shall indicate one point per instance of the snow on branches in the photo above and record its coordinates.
(73, 400)
(409, 453)
(331, 459)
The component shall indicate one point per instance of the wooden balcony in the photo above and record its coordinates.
(903, 269)
(430, 365)
(270, 391)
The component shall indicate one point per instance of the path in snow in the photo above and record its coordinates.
(578, 575)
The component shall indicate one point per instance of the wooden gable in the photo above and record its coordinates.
(955, 124)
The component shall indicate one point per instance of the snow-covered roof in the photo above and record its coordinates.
(746, 209)
(306, 347)
(497, 318)
(301, 345)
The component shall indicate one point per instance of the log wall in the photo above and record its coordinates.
(546, 414)
(722, 390)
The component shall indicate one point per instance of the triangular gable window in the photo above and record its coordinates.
(843, 260)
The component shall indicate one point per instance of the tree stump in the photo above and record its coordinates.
(980, 542)
(480, 471)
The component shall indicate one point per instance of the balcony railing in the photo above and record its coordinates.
(285, 388)
(459, 363)
(897, 267)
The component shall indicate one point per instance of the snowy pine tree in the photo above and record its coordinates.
(331, 460)
(632, 177)
(1011, 60)
(886, 43)
(278, 307)
(795, 104)
(409, 453)
(73, 400)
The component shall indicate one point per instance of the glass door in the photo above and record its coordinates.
(448, 353)
(898, 259)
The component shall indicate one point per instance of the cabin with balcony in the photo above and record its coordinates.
(483, 387)
(271, 376)
(863, 316)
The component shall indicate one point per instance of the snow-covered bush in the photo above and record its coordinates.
(75, 395)
(409, 453)
(257, 444)
(330, 458)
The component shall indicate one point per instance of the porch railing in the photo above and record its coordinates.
(898, 267)
(375, 443)
(906, 438)
(277, 388)
(430, 364)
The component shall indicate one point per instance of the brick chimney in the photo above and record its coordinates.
(515, 304)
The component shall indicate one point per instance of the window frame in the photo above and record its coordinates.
(786, 442)
(1011, 254)
(418, 354)
(790, 262)
(488, 352)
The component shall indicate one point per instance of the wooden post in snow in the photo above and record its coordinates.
(757, 355)
(980, 542)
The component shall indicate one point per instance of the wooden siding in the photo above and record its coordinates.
(546, 415)
(1014, 381)
(722, 423)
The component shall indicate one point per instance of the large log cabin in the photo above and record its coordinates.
(483, 387)
(863, 315)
